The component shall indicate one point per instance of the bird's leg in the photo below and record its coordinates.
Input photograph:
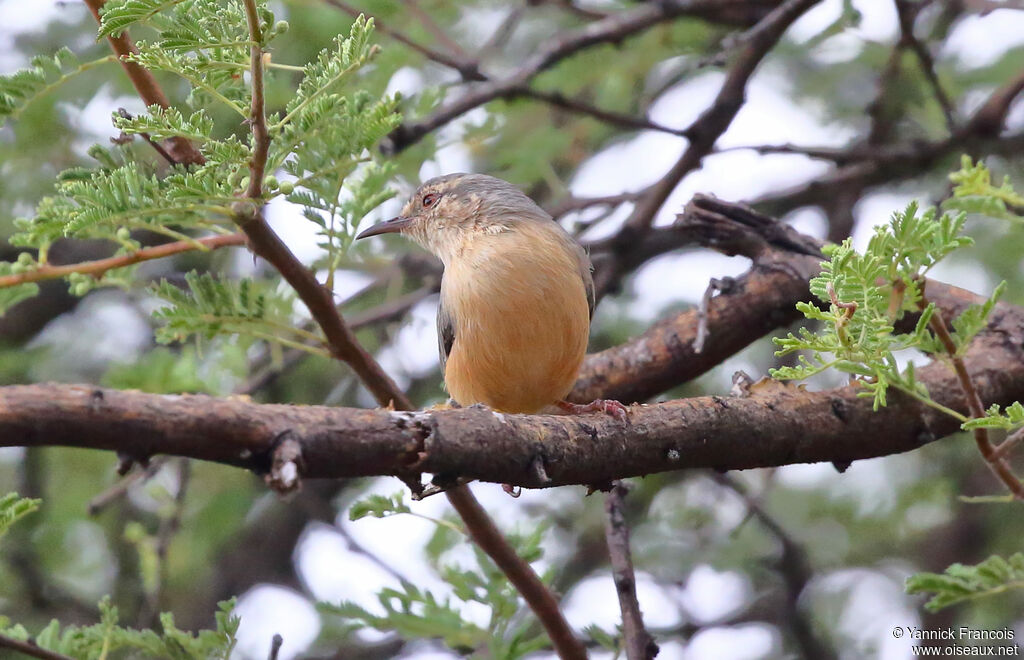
(606, 406)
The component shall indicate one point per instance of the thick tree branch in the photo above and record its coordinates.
(775, 425)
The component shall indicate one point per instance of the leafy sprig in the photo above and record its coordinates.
(100, 640)
(12, 508)
(865, 294)
(960, 583)
(415, 613)
(974, 192)
(325, 134)
(211, 307)
(44, 74)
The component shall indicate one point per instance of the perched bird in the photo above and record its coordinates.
(516, 295)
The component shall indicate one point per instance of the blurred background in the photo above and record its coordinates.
(866, 105)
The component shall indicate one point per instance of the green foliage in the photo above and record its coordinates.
(97, 641)
(45, 73)
(119, 14)
(414, 613)
(12, 508)
(12, 295)
(961, 583)
(866, 294)
(103, 202)
(211, 307)
(379, 506)
(326, 134)
(163, 123)
(973, 192)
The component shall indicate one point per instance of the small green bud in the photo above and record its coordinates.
(80, 289)
(280, 27)
(17, 268)
(234, 178)
(286, 187)
(25, 259)
(270, 182)
(123, 234)
(244, 184)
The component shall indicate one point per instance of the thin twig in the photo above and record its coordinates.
(344, 346)
(157, 147)
(612, 29)
(502, 33)
(100, 266)
(121, 488)
(907, 13)
(467, 68)
(607, 116)
(1004, 449)
(639, 643)
(275, 647)
(714, 121)
(182, 151)
(995, 461)
(428, 22)
(30, 649)
(170, 525)
(257, 111)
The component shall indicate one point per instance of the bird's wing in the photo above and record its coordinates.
(445, 332)
(586, 268)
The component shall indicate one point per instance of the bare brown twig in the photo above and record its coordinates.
(907, 13)
(100, 266)
(466, 67)
(613, 28)
(638, 642)
(706, 129)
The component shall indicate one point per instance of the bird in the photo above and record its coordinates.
(517, 295)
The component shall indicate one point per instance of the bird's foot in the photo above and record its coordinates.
(606, 406)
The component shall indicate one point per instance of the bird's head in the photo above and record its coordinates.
(448, 212)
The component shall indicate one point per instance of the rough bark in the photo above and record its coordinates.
(773, 425)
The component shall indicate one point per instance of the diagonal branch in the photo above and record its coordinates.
(612, 29)
(344, 346)
(179, 148)
(714, 121)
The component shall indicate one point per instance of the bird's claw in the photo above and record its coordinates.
(606, 406)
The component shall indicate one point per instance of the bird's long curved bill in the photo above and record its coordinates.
(392, 226)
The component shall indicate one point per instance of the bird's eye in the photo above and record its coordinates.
(430, 199)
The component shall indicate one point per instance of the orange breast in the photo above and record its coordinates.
(521, 321)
